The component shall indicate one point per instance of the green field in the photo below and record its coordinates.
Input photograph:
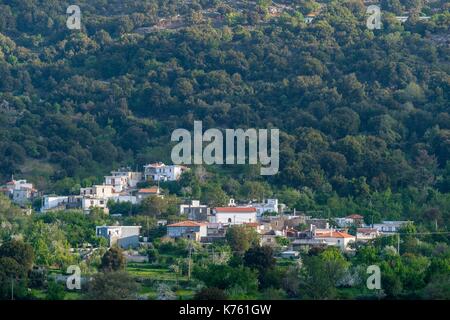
(146, 271)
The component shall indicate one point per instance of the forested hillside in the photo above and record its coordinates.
(364, 115)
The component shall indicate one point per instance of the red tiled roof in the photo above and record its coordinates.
(187, 224)
(355, 216)
(235, 209)
(333, 234)
(149, 190)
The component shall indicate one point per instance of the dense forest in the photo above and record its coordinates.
(364, 115)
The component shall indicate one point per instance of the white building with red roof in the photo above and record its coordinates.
(147, 192)
(20, 191)
(233, 215)
(334, 238)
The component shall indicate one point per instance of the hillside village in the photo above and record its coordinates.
(272, 220)
(364, 179)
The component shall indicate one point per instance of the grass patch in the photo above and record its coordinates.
(145, 270)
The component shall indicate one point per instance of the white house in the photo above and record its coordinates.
(233, 215)
(188, 229)
(195, 211)
(99, 191)
(22, 196)
(161, 172)
(122, 236)
(365, 234)
(18, 185)
(133, 177)
(269, 205)
(124, 198)
(20, 191)
(119, 183)
(348, 221)
(53, 202)
(89, 203)
(123, 179)
(390, 226)
(334, 238)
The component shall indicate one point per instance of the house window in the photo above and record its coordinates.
(229, 220)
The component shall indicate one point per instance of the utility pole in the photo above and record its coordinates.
(189, 261)
(148, 229)
(190, 215)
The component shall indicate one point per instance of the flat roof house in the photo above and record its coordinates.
(124, 237)
(161, 172)
(390, 226)
(100, 191)
(195, 211)
(233, 215)
(269, 205)
(89, 203)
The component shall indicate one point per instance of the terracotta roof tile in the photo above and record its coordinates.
(355, 216)
(149, 190)
(187, 224)
(333, 234)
